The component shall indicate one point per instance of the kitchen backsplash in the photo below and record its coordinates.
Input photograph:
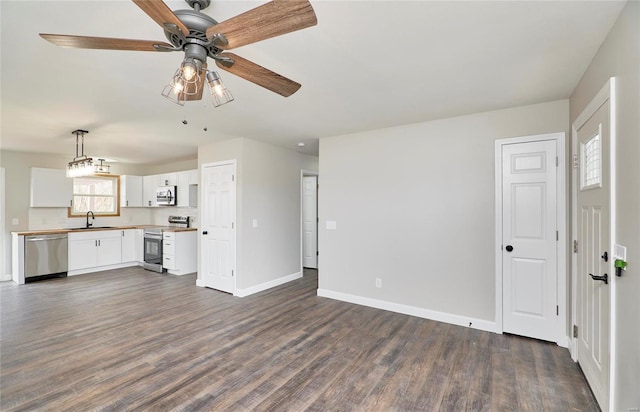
(56, 217)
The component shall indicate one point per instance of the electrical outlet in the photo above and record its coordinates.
(378, 282)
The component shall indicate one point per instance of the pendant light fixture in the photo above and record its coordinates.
(81, 165)
(102, 168)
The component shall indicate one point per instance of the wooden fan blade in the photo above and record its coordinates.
(269, 20)
(85, 42)
(259, 75)
(161, 13)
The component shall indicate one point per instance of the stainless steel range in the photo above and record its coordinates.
(153, 242)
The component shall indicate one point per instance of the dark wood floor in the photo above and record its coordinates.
(137, 340)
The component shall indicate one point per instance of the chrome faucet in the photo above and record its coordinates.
(92, 219)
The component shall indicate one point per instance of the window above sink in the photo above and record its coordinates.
(98, 194)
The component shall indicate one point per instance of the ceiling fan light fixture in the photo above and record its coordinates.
(174, 91)
(219, 93)
(191, 69)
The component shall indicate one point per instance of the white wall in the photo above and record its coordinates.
(5, 244)
(619, 56)
(271, 187)
(177, 166)
(414, 206)
(268, 190)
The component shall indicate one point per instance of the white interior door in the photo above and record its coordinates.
(218, 227)
(529, 240)
(593, 226)
(310, 222)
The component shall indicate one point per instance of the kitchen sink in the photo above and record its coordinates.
(93, 227)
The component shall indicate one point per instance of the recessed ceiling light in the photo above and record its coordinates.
(301, 144)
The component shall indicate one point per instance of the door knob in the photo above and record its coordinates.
(204, 232)
(509, 248)
(604, 278)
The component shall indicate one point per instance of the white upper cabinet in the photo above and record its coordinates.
(187, 188)
(167, 179)
(131, 194)
(50, 188)
(193, 176)
(149, 187)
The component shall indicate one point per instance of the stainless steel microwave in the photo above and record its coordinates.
(166, 196)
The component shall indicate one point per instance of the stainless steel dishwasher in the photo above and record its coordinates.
(45, 256)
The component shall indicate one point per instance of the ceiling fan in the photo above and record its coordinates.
(200, 37)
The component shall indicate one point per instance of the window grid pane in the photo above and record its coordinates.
(591, 162)
(96, 194)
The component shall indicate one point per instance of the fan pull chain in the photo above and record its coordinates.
(205, 128)
(184, 116)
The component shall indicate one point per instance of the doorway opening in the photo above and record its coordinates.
(309, 221)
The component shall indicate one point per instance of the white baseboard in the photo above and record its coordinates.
(459, 320)
(563, 342)
(573, 349)
(101, 268)
(266, 285)
(6, 276)
(200, 283)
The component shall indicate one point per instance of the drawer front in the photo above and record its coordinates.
(169, 235)
(169, 262)
(168, 246)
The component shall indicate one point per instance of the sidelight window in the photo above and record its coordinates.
(591, 160)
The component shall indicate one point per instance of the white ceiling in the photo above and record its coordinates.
(366, 65)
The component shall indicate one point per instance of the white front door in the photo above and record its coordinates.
(310, 222)
(218, 227)
(593, 220)
(529, 240)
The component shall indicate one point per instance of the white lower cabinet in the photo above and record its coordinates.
(132, 244)
(179, 252)
(109, 251)
(94, 249)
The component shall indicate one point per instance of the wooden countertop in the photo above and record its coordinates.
(73, 230)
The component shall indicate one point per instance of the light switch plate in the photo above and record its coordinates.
(331, 225)
(254, 223)
(15, 221)
(620, 252)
